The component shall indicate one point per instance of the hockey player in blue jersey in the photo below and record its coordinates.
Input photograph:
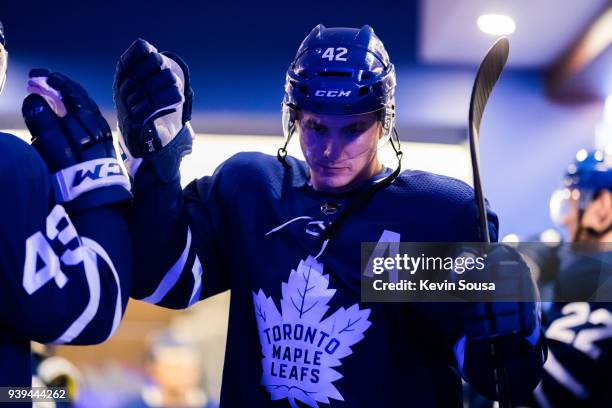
(578, 372)
(285, 237)
(65, 279)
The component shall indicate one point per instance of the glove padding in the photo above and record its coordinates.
(153, 97)
(514, 306)
(74, 139)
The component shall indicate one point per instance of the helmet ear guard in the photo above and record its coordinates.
(3, 66)
(387, 118)
(289, 116)
(3, 58)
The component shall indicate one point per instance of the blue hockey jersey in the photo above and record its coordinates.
(65, 277)
(578, 372)
(298, 334)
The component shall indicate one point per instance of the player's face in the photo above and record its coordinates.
(341, 150)
(597, 216)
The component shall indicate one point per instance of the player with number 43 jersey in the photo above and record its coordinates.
(65, 255)
(285, 237)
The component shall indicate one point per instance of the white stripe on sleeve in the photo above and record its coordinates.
(97, 248)
(92, 276)
(197, 281)
(172, 276)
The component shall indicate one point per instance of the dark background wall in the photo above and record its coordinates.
(237, 50)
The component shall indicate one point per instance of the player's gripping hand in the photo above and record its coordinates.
(75, 141)
(153, 98)
(513, 307)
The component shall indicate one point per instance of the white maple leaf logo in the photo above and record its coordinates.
(299, 348)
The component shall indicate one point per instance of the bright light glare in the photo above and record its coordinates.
(511, 238)
(209, 151)
(582, 155)
(496, 24)
(551, 236)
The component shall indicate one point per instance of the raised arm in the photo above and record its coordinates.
(66, 260)
(176, 233)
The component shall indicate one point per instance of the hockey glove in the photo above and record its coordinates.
(153, 97)
(75, 141)
(513, 308)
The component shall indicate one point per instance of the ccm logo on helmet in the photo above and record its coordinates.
(332, 94)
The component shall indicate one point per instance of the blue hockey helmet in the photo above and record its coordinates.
(3, 57)
(590, 171)
(340, 71)
(588, 174)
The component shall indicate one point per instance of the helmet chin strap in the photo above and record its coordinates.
(3, 66)
(281, 154)
(367, 194)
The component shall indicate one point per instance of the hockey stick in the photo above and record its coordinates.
(489, 71)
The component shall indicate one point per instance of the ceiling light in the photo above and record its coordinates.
(496, 24)
(582, 155)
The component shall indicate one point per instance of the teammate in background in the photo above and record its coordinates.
(285, 237)
(578, 372)
(65, 260)
(174, 371)
(50, 370)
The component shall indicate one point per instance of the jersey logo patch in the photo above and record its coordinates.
(299, 347)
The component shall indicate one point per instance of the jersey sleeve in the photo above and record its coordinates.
(182, 238)
(65, 277)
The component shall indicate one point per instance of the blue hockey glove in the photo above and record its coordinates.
(75, 141)
(153, 97)
(513, 308)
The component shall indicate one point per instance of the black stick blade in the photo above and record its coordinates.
(490, 69)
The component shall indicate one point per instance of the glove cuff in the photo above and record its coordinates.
(92, 183)
(166, 162)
